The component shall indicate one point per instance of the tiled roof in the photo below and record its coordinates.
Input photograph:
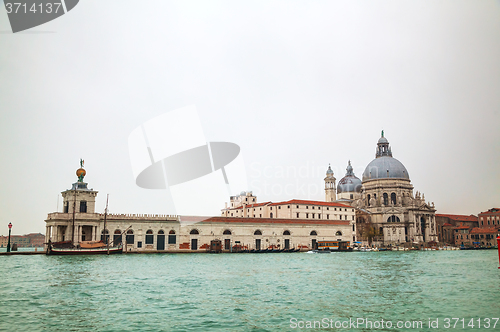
(458, 217)
(492, 211)
(271, 221)
(304, 202)
(462, 227)
(447, 224)
(477, 230)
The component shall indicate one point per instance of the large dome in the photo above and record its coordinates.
(349, 183)
(385, 168)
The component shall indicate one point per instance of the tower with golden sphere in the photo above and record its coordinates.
(79, 198)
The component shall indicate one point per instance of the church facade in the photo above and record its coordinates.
(387, 210)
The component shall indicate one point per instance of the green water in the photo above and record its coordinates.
(247, 292)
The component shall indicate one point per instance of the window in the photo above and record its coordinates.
(149, 237)
(328, 208)
(194, 231)
(339, 233)
(130, 237)
(139, 244)
(257, 232)
(171, 237)
(313, 233)
(117, 237)
(107, 236)
(307, 207)
(307, 215)
(319, 216)
(327, 216)
(66, 207)
(83, 206)
(393, 198)
(312, 216)
(271, 215)
(297, 215)
(286, 232)
(393, 219)
(227, 232)
(279, 207)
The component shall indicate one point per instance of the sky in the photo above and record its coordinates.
(297, 85)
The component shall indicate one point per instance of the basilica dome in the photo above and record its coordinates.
(384, 166)
(350, 183)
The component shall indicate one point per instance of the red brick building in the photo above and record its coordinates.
(484, 237)
(490, 218)
(446, 224)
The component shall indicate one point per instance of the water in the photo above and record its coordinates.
(246, 292)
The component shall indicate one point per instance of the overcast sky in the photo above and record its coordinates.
(296, 84)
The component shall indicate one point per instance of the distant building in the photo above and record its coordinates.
(23, 241)
(446, 224)
(490, 218)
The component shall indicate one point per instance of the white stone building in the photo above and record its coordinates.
(387, 202)
(291, 224)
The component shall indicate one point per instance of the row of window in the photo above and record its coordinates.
(478, 236)
(492, 222)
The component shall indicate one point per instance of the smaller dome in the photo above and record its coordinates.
(382, 140)
(349, 183)
(329, 171)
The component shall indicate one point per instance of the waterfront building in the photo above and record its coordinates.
(23, 241)
(490, 218)
(387, 206)
(446, 224)
(290, 224)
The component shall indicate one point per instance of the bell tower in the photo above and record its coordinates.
(330, 193)
(79, 198)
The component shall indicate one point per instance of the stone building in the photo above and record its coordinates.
(252, 225)
(387, 202)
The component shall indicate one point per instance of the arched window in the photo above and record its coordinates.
(313, 233)
(130, 237)
(393, 198)
(149, 237)
(271, 215)
(257, 232)
(393, 219)
(161, 231)
(286, 232)
(227, 232)
(117, 237)
(386, 199)
(171, 237)
(107, 235)
(339, 233)
(194, 232)
(368, 200)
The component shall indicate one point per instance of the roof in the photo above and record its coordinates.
(304, 202)
(458, 217)
(491, 211)
(462, 227)
(275, 221)
(477, 230)
(447, 224)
